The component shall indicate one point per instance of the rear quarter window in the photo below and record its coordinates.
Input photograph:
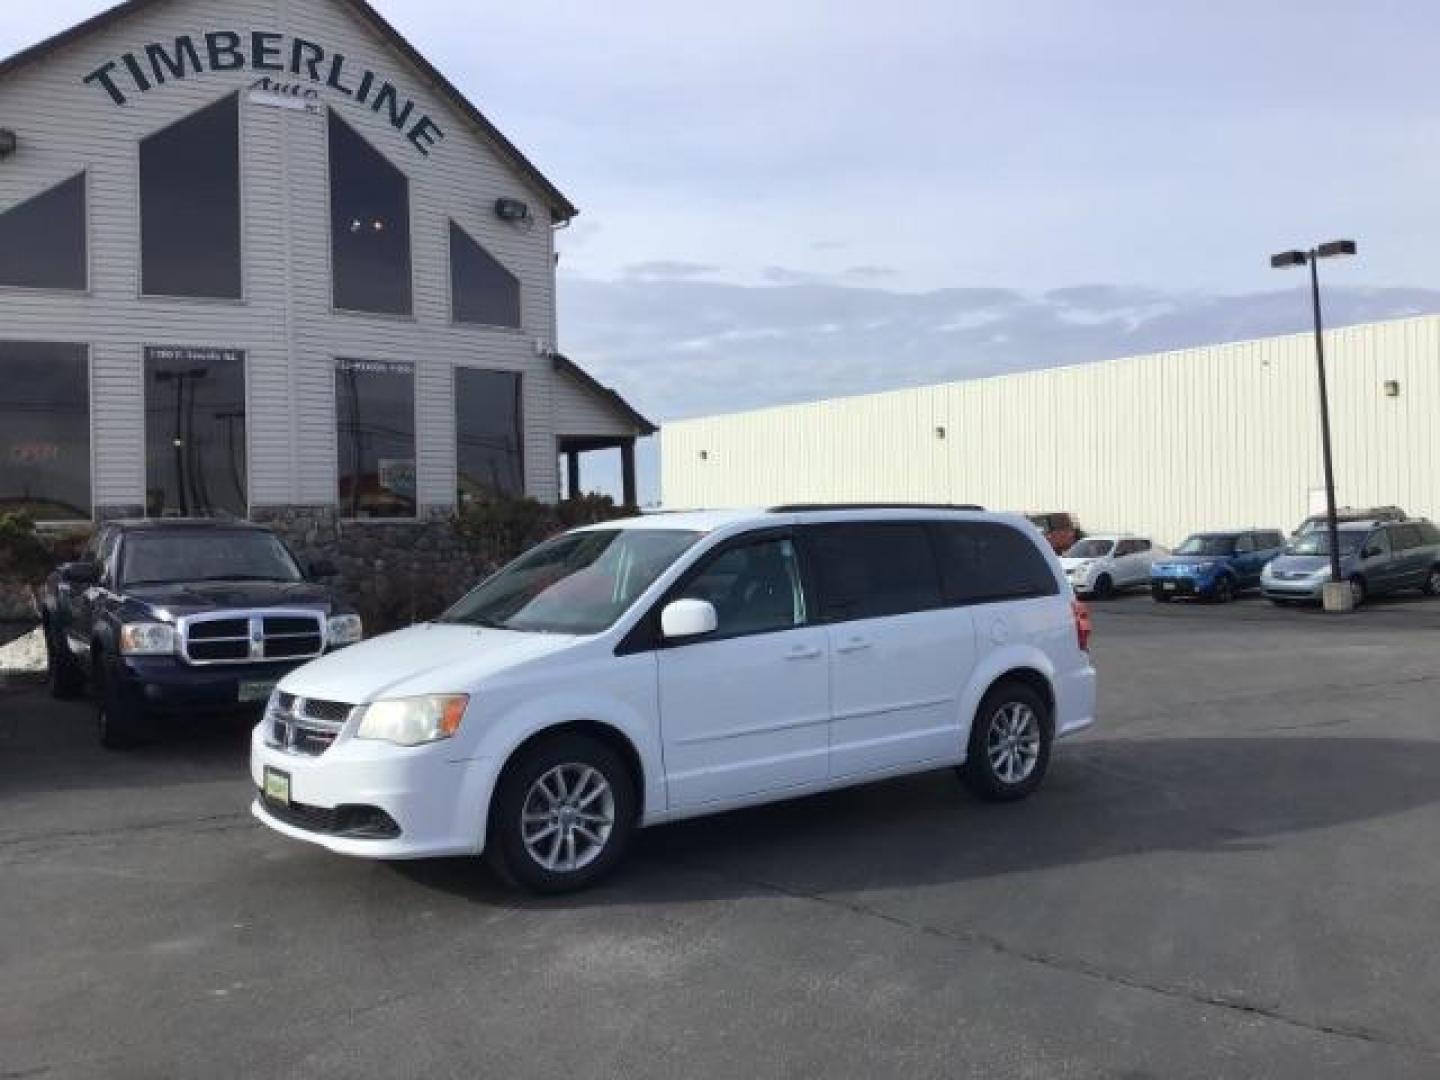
(982, 561)
(867, 571)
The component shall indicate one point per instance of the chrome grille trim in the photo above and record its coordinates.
(292, 726)
(256, 639)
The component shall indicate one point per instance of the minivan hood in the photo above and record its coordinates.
(1070, 563)
(432, 658)
(1305, 564)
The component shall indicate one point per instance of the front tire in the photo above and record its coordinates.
(1224, 591)
(1358, 590)
(1104, 587)
(563, 814)
(121, 724)
(1009, 750)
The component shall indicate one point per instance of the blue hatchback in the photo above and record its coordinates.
(1215, 565)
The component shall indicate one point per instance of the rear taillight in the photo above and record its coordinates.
(1082, 624)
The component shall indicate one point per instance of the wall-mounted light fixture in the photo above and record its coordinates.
(940, 432)
(704, 455)
(8, 142)
(512, 210)
(1392, 388)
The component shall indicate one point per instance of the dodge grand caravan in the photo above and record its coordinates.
(675, 665)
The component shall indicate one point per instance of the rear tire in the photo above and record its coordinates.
(563, 814)
(1160, 597)
(1432, 582)
(1224, 591)
(1009, 749)
(62, 673)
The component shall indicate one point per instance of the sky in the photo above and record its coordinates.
(796, 199)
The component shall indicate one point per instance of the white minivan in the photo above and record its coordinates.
(674, 665)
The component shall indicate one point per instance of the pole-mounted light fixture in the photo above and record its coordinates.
(1327, 250)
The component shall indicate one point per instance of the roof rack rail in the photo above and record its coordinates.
(802, 508)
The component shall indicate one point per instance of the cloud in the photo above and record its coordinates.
(679, 348)
(668, 270)
(869, 272)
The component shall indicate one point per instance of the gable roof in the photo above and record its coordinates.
(604, 393)
(561, 208)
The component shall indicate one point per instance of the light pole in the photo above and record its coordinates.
(1312, 258)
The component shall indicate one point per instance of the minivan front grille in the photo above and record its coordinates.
(252, 637)
(306, 726)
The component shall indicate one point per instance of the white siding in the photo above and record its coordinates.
(1220, 436)
(285, 323)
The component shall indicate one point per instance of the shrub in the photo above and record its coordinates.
(24, 556)
(502, 527)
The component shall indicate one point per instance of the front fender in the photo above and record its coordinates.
(629, 714)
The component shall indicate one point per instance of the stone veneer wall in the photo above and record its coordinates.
(394, 573)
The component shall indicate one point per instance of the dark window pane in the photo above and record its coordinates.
(369, 226)
(984, 560)
(42, 241)
(190, 205)
(44, 430)
(481, 290)
(375, 432)
(754, 588)
(866, 571)
(488, 457)
(195, 449)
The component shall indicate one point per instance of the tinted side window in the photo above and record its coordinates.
(42, 241)
(985, 560)
(868, 571)
(1244, 544)
(754, 588)
(1406, 537)
(1271, 540)
(1429, 533)
(190, 205)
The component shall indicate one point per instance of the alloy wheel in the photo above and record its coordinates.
(1013, 742)
(567, 817)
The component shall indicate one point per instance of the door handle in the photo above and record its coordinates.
(802, 652)
(855, 644)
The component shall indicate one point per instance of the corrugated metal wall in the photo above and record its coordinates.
(1163, 444)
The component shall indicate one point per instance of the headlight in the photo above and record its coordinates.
(147, 639)
(413, 721)
(344, 630)
(1323, 574)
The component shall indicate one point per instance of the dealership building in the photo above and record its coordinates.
(1167, 444)
(262, 259)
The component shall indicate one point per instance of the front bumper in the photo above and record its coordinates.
(438, 807)
(1181, 586)
(166, 684)
(1298, 589)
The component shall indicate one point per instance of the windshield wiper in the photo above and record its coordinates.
(239, 577)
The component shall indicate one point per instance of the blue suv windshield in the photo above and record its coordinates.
(1207, 545)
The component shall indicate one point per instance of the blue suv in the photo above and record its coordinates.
(1215, 565)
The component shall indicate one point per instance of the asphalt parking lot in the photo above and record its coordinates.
(1236, 874)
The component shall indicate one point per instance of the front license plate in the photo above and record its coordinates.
(255, 691)
(277, 786)
(1168, 586)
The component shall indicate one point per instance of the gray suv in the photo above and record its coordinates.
(1375, 557)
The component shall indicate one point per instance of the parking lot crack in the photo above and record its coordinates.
(1083, 968)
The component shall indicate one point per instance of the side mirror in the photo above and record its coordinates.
(80, 573)
(323, 568)
(683, 619)
(1371, 553)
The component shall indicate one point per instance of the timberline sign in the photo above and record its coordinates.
(267, 54)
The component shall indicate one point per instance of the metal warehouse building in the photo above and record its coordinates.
(258, 257)
(1226, 435)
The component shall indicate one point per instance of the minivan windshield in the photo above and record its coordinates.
(1091, 549)
(579, 583)
(1207, 545)
(164, 557)
(1318, 543)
